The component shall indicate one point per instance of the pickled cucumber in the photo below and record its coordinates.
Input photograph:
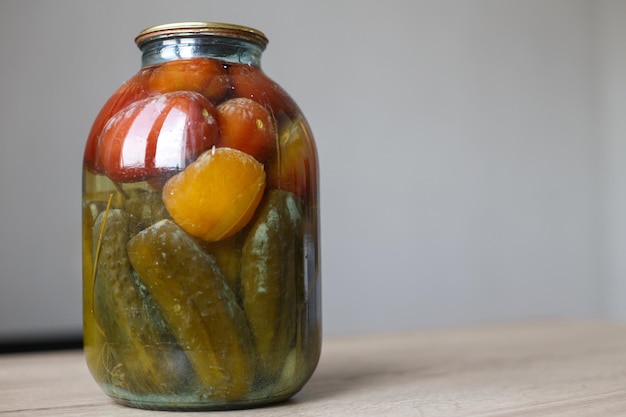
(199, 306)
(227, 255)
(141, 354)
(145, 208)
(270, 268)
(92, 337)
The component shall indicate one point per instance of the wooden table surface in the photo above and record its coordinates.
(542, 368)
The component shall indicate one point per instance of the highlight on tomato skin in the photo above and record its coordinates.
(201, 75)
(135, 89)
(247, 126)
(157, 136)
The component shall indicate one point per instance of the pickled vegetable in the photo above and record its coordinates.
(205, 76)
(141, 354)
(250, 82)
(215, 196)
(227, 255)
(296, 169)
(92, 336)
(269, 271)
(200, 308)
(247, 126)
(133, 90)
(156, 136)
(145, 208)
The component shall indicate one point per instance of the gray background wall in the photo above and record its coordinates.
(473, 153)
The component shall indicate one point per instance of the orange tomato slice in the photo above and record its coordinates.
(216, 195)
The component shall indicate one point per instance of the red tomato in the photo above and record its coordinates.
(247, 126)
(250, 82)
(202, 75)
(132, 90)
(157, 136)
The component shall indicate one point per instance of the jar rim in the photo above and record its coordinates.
(187, 29)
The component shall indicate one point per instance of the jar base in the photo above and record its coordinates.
(193, 403)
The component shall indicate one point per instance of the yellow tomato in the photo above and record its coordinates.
(216, 195)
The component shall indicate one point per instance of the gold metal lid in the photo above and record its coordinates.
(203, 29)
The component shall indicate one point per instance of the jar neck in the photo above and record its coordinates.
(226, 49)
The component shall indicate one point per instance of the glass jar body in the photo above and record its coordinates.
(201, 235)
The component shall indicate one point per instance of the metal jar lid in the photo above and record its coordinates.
(192, 29)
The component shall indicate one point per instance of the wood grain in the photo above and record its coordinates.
(543, 368)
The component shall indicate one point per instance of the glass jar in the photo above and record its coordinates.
(200, 229)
